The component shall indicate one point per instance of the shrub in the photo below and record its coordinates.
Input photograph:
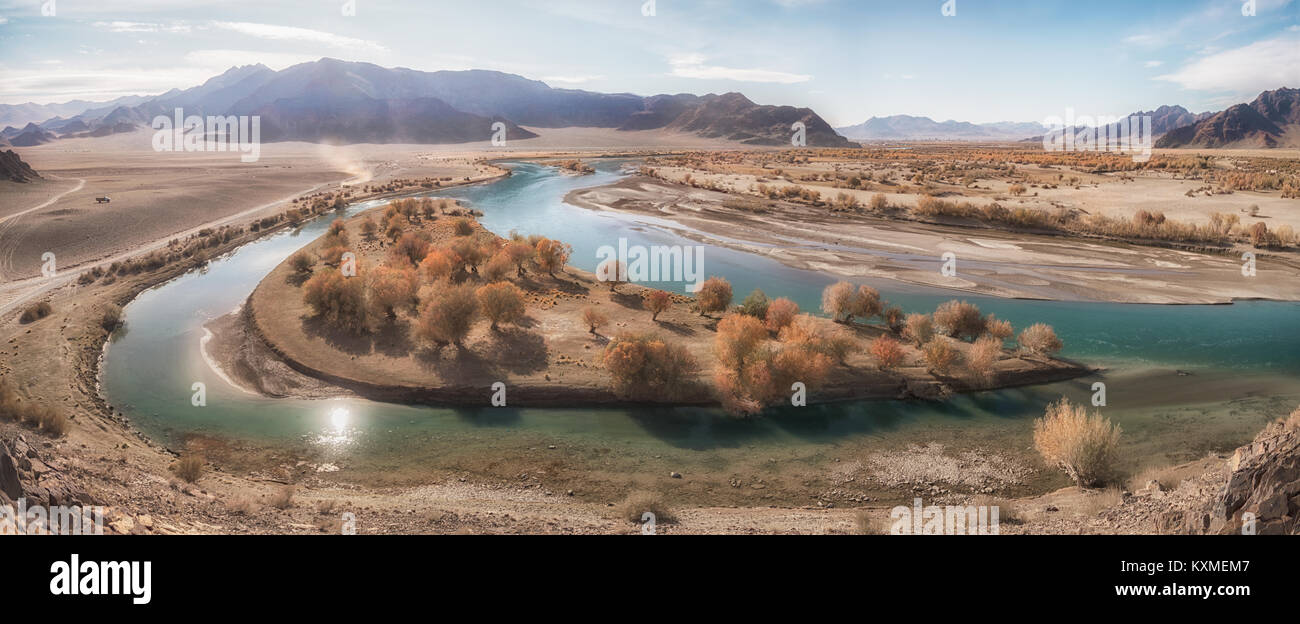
(887, 351)
(866, 303)
(10, 405)
(780, 313)
(368, 228)
(519, 253)
(755, 305)
(283, 498)
(738, 336)
(339, 300)
(36, 312)
(842, 302)
(338, 228)
(462, 227)
(411, 248)
(189, 468)
(440, 264)
(449, 315)
(1259, 236)
(714, 295)
(501, 302)
(638, 503)
(879, 203)
(983, 356)
(998, 328)
(593, 319)
(658, 302)
(111, 317)
(837, 301)
(918, 328)
(391, 289)
(958, 319)
(497, 267)
(809, 335)
(551, 255)
(768, 375)
(894, 318)
(52, 421)
(301, 262)
(648, 366)
(471, 253)
(1040, 339)
(940, 356)
(1084, 446)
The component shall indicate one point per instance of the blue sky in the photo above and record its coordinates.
(848, 59)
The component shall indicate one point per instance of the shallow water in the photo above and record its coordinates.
(1244, 361)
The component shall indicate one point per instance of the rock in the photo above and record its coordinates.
(1264, 485)
(9, 483)
(123, 525)
(675, 475)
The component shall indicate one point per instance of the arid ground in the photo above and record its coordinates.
(158, 197)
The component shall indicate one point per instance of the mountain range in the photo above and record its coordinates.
(1272, 120)
(347, 102)
(910, 128)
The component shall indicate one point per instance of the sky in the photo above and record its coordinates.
(990, 60)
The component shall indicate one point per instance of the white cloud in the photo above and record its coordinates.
(1260, 66)
(4, 20)
(1153, 63)
(293, 33)
(125, 27)
(693, 66)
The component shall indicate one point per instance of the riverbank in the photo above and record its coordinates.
(987, 261)
(549, 358)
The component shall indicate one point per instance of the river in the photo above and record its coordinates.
(1239, 367)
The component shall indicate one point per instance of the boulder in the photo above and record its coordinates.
(1264, 482)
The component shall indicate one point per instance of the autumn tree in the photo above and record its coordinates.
(501, 302)
(737, 338)
(998, 328)
(1040, 339)
(983, 356)
(647, 366)
(338, 300)
(440, 264)
(714, 295)
(593, 319)
(391, 289)
(888, 353)
(551, 255)
(780, 313)
(449, 315)
(411, 248)
(940, 355)
(520, 253)
(918, 328)
(658, 302)
(958, 319)
(497, 267)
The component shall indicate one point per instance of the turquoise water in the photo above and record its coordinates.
(1245, 360)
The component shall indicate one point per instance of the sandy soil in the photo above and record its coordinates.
(989, 261)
